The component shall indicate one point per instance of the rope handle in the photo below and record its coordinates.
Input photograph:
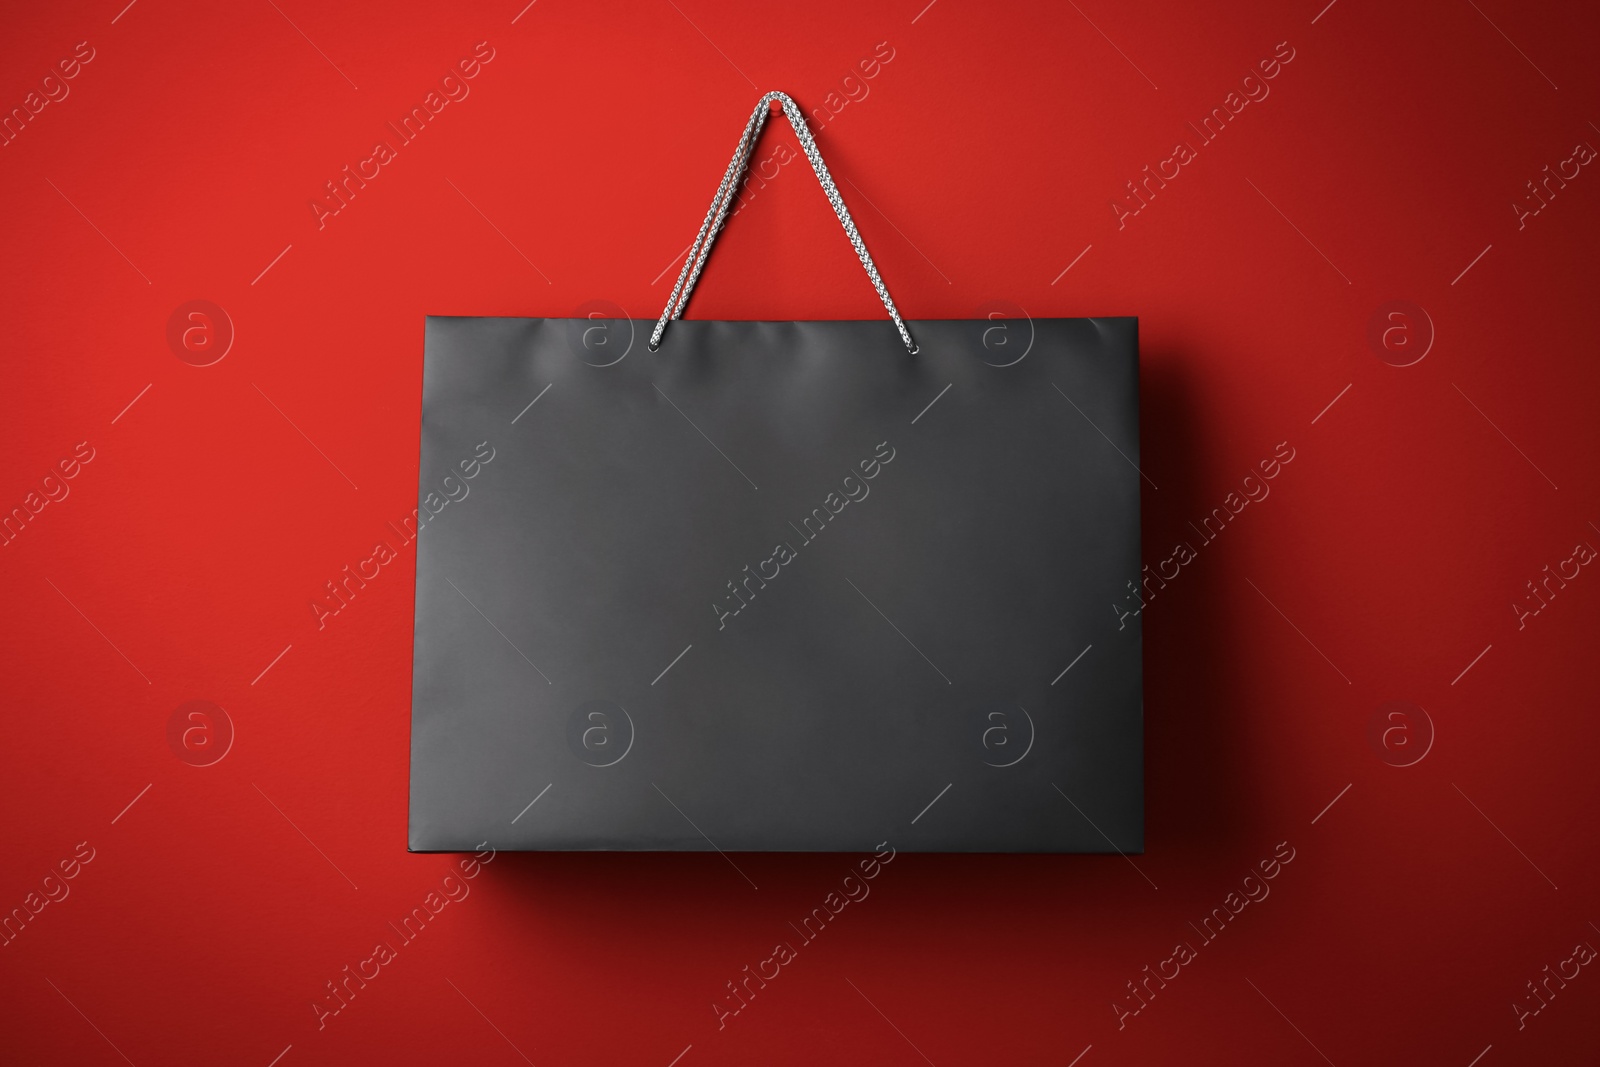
(717, 215)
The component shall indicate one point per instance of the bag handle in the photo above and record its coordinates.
(718, 213)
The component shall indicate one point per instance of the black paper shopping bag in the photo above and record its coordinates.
(777, 585)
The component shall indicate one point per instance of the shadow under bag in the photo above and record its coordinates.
(763, 586)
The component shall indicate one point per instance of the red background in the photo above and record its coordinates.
(1386, 559)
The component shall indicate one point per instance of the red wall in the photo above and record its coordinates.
(1383, 163)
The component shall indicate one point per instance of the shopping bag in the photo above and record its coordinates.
(816, 586)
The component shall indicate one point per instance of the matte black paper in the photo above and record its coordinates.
(778, 586)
